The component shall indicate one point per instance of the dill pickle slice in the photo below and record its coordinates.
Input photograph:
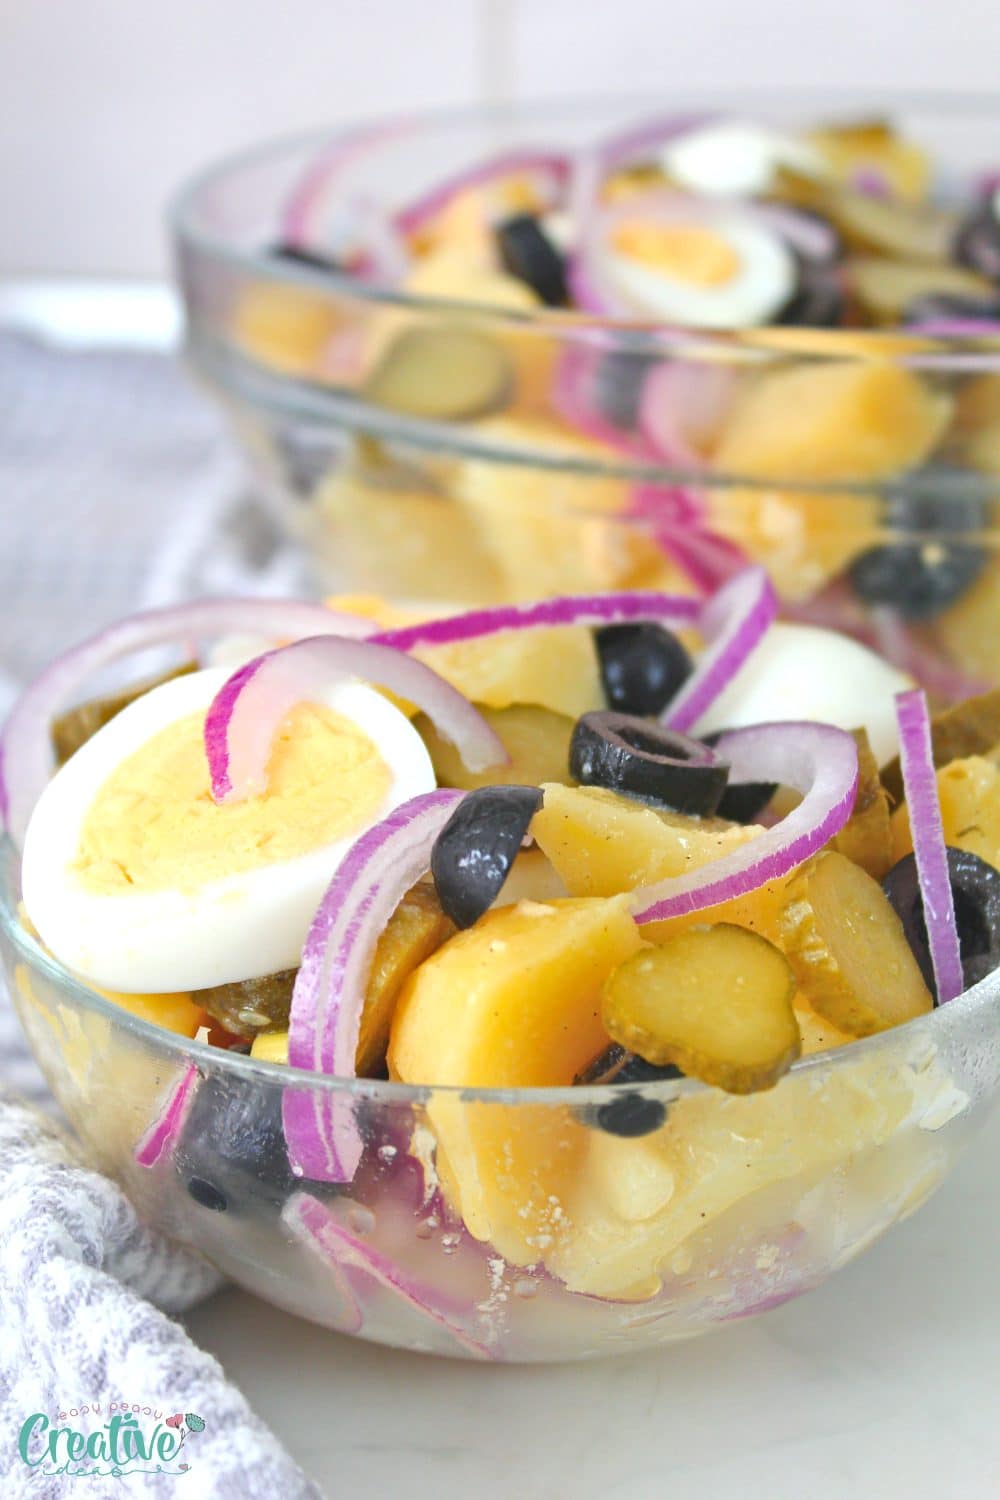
(866, 837)
(885, 288)
(536, 739)
(714, 1001)
(416, 929)
(249, 1006)
(77, 725)
(442, 373)
(848, 949)
(969, 728)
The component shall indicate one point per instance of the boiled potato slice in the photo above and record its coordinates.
(969, 793)
(536, 739)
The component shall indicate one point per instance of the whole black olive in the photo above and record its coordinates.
(619, 380)
(642, 666)
(975, 889)
(306, 257)
(933, 306)
(818, 302)
(977, 243)
(640, 758)
(926, 570)
(232, 1153)
(527, 253)
(474, 852)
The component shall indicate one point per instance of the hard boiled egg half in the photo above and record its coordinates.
(139, 882)
(695, 266)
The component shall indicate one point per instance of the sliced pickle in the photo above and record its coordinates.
(251, 1005)
(536, 739)
(848, 949)
(866, 837)
(885, 288)
(416, 929)
(75, 727)
(443, 373)
(714, 1001)
(970, 728)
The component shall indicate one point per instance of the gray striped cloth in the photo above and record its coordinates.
(118, 489)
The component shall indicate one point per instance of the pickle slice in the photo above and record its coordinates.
(714, 1001)
(886, 288)
(848, 950)
(77, 725)
(866, 837)
(249, 1006)
(416, 929)
(443, 373)
(969, 728)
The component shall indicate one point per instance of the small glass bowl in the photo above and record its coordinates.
(509, 1225)
(802, 449)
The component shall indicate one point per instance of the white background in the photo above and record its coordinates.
(105, 105)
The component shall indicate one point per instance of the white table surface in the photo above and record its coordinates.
(883, 1383)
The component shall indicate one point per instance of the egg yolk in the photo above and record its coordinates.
(685, 252)
(153, 825)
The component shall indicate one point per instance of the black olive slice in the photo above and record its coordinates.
(305, 257)
(642, 666)
(975, 889)
(474, 852)
(633, 1114)
(977, 243)
(527, 253)
(742, 801)
(933, 306)
(642, 759)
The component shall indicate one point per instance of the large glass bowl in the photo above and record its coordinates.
(509, 1225)
(799, 448)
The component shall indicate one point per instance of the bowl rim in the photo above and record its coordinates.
(944, 1019)
(570, 325)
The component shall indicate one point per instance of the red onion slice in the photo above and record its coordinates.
(732, 622)
(309, 1220)
(815, 759)
(570, 609)
(248, 709)
(355, 1259)
(165, 1130)
(639, 141)
(300, 220)
(549, 171)
(920, 789)
(324, 1142)
(26, 758)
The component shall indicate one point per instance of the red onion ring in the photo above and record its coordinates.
(245, 714)
(26, 758)
(732, 622)
(165, 1130)
(956, 328)
(324, 1142)
(680, 395)
(639, 140)
(920, 790)
(570, 609)
(550, 169)
(314, 1221)
(308, 1219)
(815, 759)
(299, 225)
(572, 396)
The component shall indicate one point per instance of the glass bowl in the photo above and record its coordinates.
(510, 1225)
(861, 466)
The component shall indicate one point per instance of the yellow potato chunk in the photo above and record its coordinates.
(514, 1000)
(714, 1001)
(556, 669)
(174, 1012)
(536, 739)
(848, 949)
(270, 1046)
(870, 145)
(603, 844)
(969, 793)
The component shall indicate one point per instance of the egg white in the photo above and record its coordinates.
(240, 926)
(735, 159)
(763, 284)
(805, 672)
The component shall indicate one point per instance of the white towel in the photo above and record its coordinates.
(118, 488)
